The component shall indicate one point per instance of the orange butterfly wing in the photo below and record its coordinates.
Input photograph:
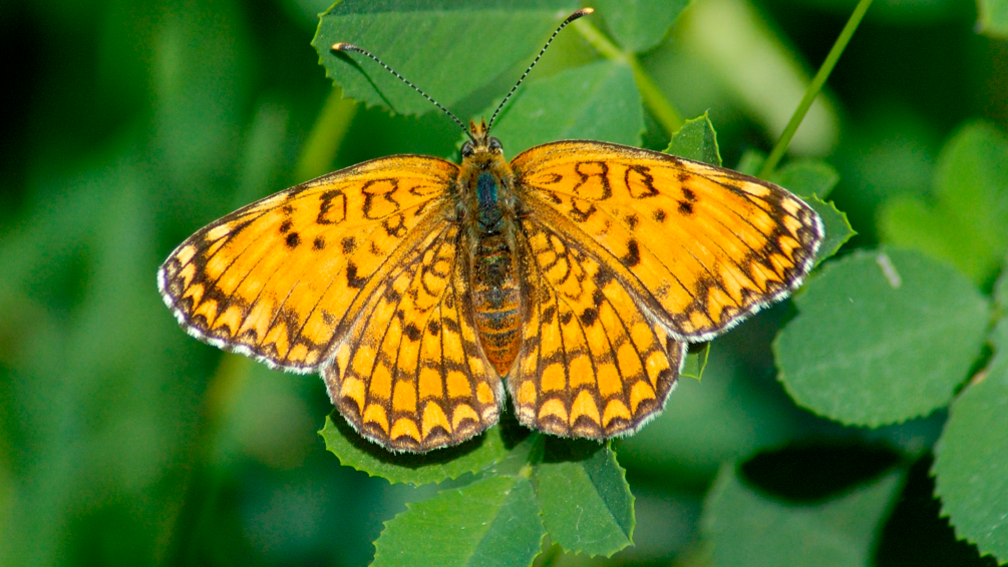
(283, 278)
(630, 254)
(419, 380)
(699, 247)
(355, 274)
(594, 362)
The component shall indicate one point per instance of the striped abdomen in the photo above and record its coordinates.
(496, 301)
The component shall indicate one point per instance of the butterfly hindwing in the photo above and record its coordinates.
(702, 246)
(280, 279)
(593, 362)
(410, 374)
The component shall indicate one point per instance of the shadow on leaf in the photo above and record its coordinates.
(408, 460)
(557, 450)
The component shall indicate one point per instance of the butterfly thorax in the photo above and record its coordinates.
(487, 210)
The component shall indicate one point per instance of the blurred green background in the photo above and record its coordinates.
(130, 124)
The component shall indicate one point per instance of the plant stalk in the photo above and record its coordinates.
(814, 88)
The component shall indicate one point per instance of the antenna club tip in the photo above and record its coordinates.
(344, 47)
(580, 13)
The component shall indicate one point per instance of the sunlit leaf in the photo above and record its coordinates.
(881, 337)
(598, 101)
(449, 49)
(971, 464)
(639, 25)
(493, 522)
(585, 500)
(838, 229)
(696, 140)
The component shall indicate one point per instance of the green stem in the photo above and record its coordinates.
(326, 135)
(663, 111)
(813, 89)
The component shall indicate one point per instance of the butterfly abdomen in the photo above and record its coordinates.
(496, 301)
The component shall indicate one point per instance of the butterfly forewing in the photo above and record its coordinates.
(279, 279)
(702, 247)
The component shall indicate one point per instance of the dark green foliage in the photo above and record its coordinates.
(129, 125)
(963, 221)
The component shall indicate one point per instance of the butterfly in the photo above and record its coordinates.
(426, 293)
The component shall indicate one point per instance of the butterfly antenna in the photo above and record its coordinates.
(571, 18)
(361, 50)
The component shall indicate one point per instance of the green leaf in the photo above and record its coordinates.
(971, 464)
(881, 337)
(749, 528)
(696, 362)
(639, 25)
(598, 101)
(807, 177)
(726, 417)
(449, 49)
(838, 229)
(1001, 291)
(751, 162)
(435, 466)
(813, 180)
(492, 522)
(992, 18)
(696, 140)
(584, 497)
(964, 223)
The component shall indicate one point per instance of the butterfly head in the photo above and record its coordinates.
(481, 148)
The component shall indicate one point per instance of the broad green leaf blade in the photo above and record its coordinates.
(971, 463)
(584, 497)
(598, 101)
(881, 337)
(639, 25)
(696, 140)
(449, 49)
(491, 522)
(749, 528)
(807, 177)
(436, 466)
(992, 18)
(964, 223)
(838, 229)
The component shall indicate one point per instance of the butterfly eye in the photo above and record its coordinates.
(495, 144)
(467, 149)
